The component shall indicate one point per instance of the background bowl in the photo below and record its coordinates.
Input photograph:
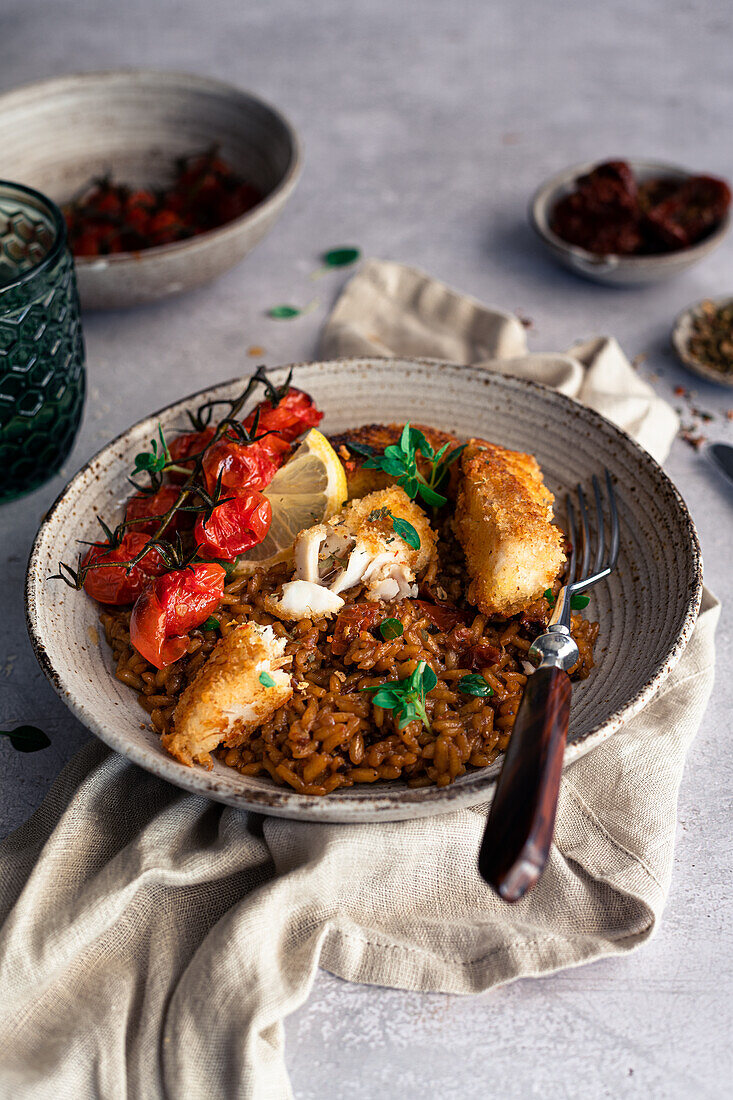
(681, 334)
(647, 610)
(58, 134)
(616, 270)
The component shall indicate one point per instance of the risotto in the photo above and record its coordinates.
(329, 734)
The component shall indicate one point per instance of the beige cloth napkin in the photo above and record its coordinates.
(390, 309)
(152, 942)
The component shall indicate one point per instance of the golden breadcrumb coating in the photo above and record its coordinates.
(504, 523)
(227, 700)
(377, 534)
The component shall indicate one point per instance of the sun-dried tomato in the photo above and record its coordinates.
(695, 208)
(351, 621)
(443, 615)
(609, 213)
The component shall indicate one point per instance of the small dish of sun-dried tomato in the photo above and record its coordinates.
(624, 222)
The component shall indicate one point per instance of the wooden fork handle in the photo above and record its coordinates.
(521, 821)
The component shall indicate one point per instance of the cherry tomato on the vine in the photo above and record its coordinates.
(234, 526)
(290, 417)
(243, 465)
(189, 443)
(170, 607)
(110, 583)
(156, 505)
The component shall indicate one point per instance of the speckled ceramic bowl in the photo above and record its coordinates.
(681, 334)
(59, 134)
(616, 270)
(647, 610)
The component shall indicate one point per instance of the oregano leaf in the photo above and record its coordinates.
(474, 685)
(406, 532)
(391, 629)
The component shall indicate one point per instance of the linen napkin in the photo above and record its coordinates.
(152, 941)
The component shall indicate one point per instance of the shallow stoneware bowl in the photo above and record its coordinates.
(681, 335)
(58, 134)
(647, 610)
(616, 270)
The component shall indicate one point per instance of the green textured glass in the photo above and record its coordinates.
(42, 377)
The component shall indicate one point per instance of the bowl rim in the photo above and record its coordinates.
(41, 89)
(545, 195)
(370, 805)
(680, 340)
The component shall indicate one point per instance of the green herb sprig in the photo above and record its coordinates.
(400, 461)
(400, 526)
(406, 698)
(156, 459)
(266, 680)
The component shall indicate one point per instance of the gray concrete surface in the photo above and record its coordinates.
(426, 127)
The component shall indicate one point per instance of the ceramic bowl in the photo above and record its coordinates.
(59, 134)
(616, 270)
(647, 610)
(681, 334)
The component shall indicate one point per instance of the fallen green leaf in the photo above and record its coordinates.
(26, 738)
(283, 313)
(341, 257)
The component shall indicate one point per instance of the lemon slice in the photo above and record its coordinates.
(308, 489)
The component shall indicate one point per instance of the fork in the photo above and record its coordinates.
(521, 821)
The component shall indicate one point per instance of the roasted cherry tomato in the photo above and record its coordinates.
(155, 504)
(170, 607)
(234, 526)
(289, 418)
(243, 465)
(110, 583)
(190, 443)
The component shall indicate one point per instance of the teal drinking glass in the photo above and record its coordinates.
(42, 377)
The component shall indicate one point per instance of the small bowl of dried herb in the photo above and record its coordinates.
(166, 179)
(703, 339)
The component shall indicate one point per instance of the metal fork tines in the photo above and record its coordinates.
(581, 574)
